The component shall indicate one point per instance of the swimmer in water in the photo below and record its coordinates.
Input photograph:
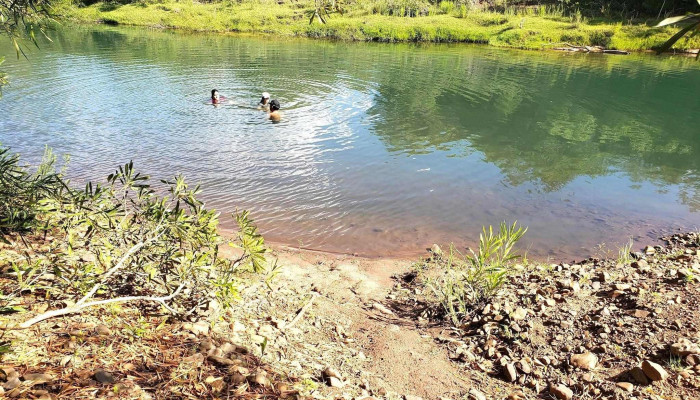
(215, 99)
(264, 102)
(274, 114)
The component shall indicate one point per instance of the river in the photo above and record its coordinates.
(383, 149)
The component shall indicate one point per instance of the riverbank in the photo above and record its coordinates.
(536, 29)
(334, 326)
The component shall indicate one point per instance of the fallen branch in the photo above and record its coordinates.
(79, 307)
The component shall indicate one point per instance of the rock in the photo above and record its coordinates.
(331, 373)
(519, 314)
(649, 250)
(524, 367)
(102, 330)
(585, 360)
(561, 392)
(641, 313)
(692, 360)
(105, 377)
(626, 386)
(654, 371)
(335, 382)
(639, 376)
(476, 395)
(436, 250)
(684, 347)
(509, 373)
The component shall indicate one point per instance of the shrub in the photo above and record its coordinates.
(121, 241)
(468, 279)
(22, 191)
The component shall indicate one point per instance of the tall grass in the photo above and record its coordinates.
(469, 279)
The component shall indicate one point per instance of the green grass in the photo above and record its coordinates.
(381, 20)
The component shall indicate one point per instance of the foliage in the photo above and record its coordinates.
(22, 192)
(122, 241)
(624, 253)
(691, 27)
(323, 9)
(20, 19)
(468, 279)
(370, 20)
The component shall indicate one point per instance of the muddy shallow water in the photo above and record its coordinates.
(383, 149)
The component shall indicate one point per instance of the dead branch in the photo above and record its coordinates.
(79, 307)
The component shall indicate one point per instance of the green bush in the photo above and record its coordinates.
(120, 241)
(21, 192)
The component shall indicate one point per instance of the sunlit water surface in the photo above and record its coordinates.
(383, 149)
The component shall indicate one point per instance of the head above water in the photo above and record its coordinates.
(274, 105)
(214, 94)
(265, 98)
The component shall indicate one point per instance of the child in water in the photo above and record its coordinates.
(216, 98)
(274, 114)
(265, 102)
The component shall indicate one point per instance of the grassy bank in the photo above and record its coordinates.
(534, 28)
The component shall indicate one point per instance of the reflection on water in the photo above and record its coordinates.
(383, 149)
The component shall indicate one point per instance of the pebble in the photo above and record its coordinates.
(654, 371)
(476, 395)
(585, 360)
(335, 382)
(561, 392)
(509, 372)
(626, 386)
(519, 314)
(684, 347)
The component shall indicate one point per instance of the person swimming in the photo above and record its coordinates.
(215, 98)
(274, 113)
(265, 102)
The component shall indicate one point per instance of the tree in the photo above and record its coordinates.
(22, 20)
(691, 23)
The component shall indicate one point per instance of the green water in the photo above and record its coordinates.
(383, 149)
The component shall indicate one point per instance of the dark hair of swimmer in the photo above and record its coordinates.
(274, 105)
(213, 92)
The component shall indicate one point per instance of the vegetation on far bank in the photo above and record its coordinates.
(533, 27)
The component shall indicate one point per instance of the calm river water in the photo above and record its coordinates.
(383, 149)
